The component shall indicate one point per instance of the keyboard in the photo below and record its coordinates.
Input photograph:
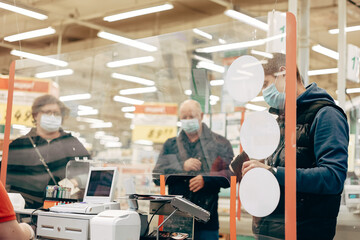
(85, 208)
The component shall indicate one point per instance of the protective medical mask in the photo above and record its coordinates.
(50, 123)
(273, 97)
(190, 125)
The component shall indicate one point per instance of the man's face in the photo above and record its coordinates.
(278, 81)
(188, 112)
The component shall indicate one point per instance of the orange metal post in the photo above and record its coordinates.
(233, 208)
(4, 160)
(162, 192)
(290, 129)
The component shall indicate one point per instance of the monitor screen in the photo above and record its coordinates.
(100, 183)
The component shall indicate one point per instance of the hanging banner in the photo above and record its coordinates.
(155, 122)
(353, 58)
(277, 27)
(25, 91)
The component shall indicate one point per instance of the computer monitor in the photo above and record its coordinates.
(100, 186)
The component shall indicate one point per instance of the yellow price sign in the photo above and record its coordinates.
(20, 115)
(156, 134)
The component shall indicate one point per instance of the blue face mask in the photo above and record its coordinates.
(190, 125)
(50, 123)
(273, 97)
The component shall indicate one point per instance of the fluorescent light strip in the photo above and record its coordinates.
(127, 41)
(128, 109)
(247, 19)
(353, 90)
(188, 92)
(323, 71)
(130, 61)
(23, 11)
(210, 66)
(231, 46)
(258, 99)
(30, 34)
(128, 100)
(75, 97)
(39, 58)
(113, 144)
(214, 98)
(131, 91)
(200, 58)
(263, 54)
(254, 107)
(88, 112)
(135, 13)
(202, 33)
(129, 115)
(56, 73)
(218, 82)
(222, 41)
(133, 79)
(347, 29)
(325, 51)
(83, 107)
(240, 45)
(144, 142)
(101, 125)
(89, 120)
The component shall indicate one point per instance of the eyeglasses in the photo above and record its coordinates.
(49, 112)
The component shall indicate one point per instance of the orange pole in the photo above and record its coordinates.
(162, 192)
(4, 160)
(233, 208)
(290, 129)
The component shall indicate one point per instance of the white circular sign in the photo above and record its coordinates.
(244, 78)
(259, 192)
(259, 135)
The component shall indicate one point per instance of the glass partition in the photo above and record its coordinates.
(174, 109)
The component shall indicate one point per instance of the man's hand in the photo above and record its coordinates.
(196, 183)
(248, 165)
(192, 164)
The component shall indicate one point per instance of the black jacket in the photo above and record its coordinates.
(215, 153)
(28, 176)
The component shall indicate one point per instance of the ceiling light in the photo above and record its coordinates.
(144, 142)
(218, 82)
(231, 46)
(127, 41)
(247, 19)
(347, 29)
(83, 107)
(131, 91)
(212, 103)
(130, 61)
(113, 144)
(323, 71)
(39, 58)
(326, 51)
(210, 66)
(128, 109)
(19, 126)
(222, 41)
(133, 79)
(263, 54)
(88, 112)
(240, 45)
(258, 99)
(128, 100)
(89, 120)
(56, 73)
(31, 34)
(139, 12)
(10, 7)
(101, 125)
(200, 58)
(75, 97)
(254, 107)
(202, 33)
(187, 92)
(214, 98)
(353, 90)
(129, 115)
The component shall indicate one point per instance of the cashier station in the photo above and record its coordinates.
(98, 217)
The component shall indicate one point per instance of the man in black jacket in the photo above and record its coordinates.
(204, 157)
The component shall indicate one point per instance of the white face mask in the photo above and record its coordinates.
(190, 125)
(50, 123)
